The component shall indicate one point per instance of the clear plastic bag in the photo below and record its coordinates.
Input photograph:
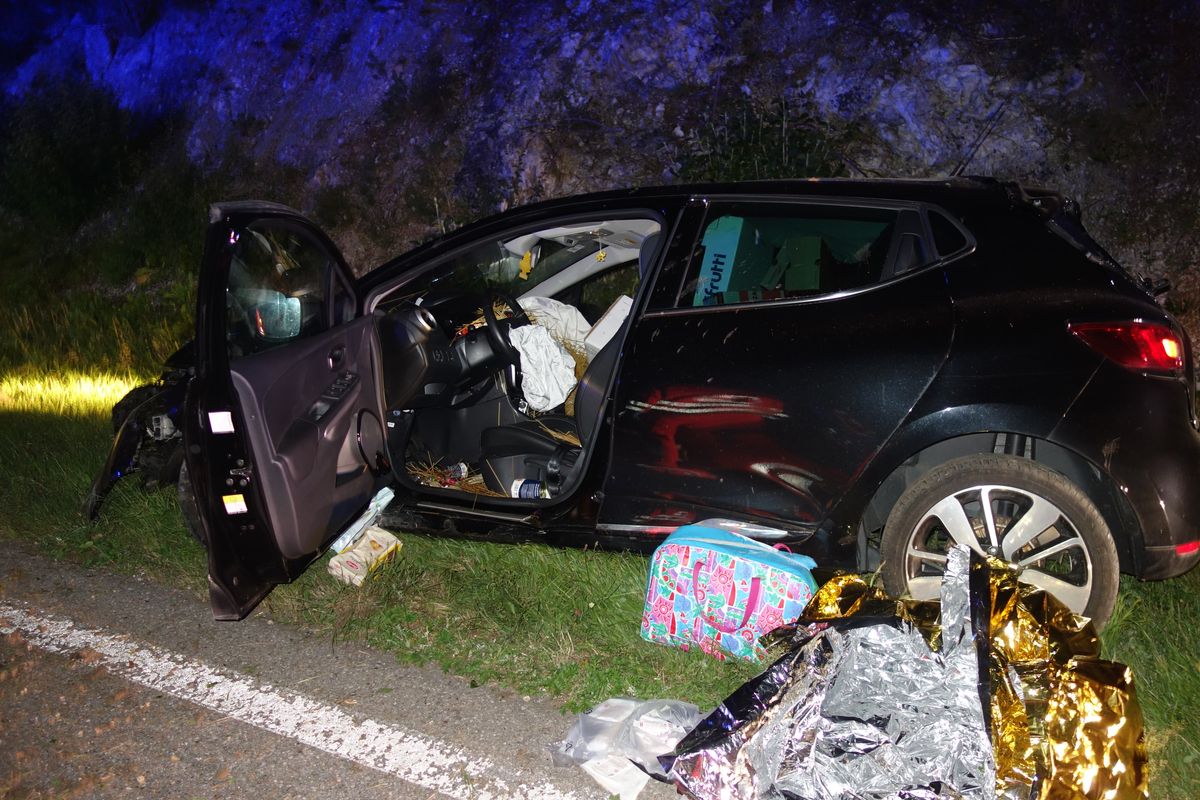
(619, 741)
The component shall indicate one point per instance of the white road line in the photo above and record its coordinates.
(412, 757)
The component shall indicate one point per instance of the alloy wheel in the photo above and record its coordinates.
(1015, 525)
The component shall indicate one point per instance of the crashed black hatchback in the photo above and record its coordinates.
(868, 370)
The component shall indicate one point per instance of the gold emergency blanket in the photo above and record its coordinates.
(1064, 721)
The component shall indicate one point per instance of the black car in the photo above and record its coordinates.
(868, 370)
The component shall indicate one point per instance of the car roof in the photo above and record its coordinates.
(932, 190)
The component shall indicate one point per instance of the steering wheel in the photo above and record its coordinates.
(497, 334)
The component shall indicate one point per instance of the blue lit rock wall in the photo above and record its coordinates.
(305, 80)
(435, 111)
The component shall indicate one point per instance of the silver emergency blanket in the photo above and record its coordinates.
(861, 710)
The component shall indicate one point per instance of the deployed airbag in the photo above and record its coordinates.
(547, 369)
(564, 321)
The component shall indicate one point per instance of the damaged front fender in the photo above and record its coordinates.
(147, 438)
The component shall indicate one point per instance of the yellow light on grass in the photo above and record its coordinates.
(65, 393)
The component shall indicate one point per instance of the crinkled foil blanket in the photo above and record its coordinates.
(996, 691)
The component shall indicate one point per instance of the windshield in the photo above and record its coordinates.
(546, 262)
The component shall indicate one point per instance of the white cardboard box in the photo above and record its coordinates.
(374, 549)
(607, 326)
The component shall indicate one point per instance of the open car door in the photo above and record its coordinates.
(284, 446)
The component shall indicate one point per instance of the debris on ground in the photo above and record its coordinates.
(375, 548)
(618, 742)
(997, 692)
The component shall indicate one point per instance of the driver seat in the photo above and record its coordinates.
(529, 451)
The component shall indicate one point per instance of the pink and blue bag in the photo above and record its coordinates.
(720, 591)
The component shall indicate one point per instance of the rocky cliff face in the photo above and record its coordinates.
(416, 116)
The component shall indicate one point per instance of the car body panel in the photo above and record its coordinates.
(1151, 453)
(749, 433)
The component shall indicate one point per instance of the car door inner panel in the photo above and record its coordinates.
(306, 450)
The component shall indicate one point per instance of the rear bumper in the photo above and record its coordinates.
(1165, 562)
(1138, 432)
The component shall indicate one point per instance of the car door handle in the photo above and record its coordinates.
(336, 356)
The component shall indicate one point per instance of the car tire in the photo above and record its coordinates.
(1039, 521)
(188, 508)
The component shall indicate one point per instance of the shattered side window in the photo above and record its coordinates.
(795, 251)
(276, 289)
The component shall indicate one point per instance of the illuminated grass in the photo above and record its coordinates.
(66, 394)
(129, 334)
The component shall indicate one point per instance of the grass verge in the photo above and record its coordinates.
(529, 617)
(526, 617)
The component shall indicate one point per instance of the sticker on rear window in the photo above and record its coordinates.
(220, 421)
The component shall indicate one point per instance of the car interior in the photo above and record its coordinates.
(465, 376)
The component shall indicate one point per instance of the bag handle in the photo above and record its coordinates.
(725, 627)
(665, 580)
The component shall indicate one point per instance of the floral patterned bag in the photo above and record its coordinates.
(721, 591)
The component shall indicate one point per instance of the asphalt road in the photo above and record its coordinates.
(114, 686)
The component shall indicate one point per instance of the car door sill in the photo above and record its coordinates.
(752, 530)
(524, 519)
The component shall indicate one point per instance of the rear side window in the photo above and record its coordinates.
(946, 236)
(787, 252)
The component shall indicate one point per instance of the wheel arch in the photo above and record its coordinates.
(1089, 477)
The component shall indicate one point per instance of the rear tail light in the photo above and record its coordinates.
(1187, 548)
(1134, 344)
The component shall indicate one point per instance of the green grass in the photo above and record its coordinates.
(1154, 630)
(529, 618)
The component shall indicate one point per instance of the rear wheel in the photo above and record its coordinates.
(1013, 509)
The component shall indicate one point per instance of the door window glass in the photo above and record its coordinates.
(792, 251)
(276, 291)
